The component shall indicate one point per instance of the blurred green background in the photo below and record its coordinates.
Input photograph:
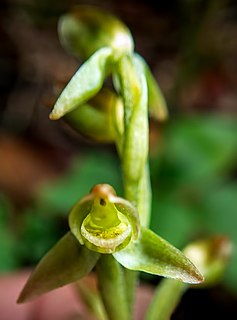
(45, 167)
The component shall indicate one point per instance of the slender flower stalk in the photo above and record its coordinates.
(165, 300)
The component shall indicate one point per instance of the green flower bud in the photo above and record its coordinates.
(98, 119)
(104, 222)
(210, 256)
(86, 29)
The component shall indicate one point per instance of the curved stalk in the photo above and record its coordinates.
(165, 300)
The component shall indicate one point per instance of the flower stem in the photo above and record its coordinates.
(141, 197)
(112, 287)
(165, 300)
(131, 278)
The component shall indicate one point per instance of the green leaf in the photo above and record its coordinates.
(66, 262)
(85, 83)
(152, 254)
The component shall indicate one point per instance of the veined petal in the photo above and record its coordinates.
(152, 254)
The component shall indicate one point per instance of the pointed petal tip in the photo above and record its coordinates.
(26, 294)
(53, 116)
(22, 298)
(195, 278)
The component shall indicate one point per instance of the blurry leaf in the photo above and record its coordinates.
(4, 210)
(221, 217)
(85, 83)
(66, 262)
(152, 254)
(38, 234)
(173, 220)
(221, 210)
(202, 147)
(230, 276)
(8, 259)
(92, 169)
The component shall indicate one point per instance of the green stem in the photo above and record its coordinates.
(144, 197)
(131, 278)
(132, 145)
(112, 287)
(165, 300)
(140, 196)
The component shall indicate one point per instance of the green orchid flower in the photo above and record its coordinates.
(104, 224)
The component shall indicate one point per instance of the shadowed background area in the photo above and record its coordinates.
(45, 167)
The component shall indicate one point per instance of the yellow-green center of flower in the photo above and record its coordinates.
(105, 229)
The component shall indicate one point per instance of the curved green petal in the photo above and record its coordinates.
(66, 262)
(78, 213)
(129, 211)
(85, 83)
(152, 254)
(156, 101)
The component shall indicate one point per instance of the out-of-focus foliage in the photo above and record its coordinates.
(7, 256)
(90, 169)
(194, 190)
